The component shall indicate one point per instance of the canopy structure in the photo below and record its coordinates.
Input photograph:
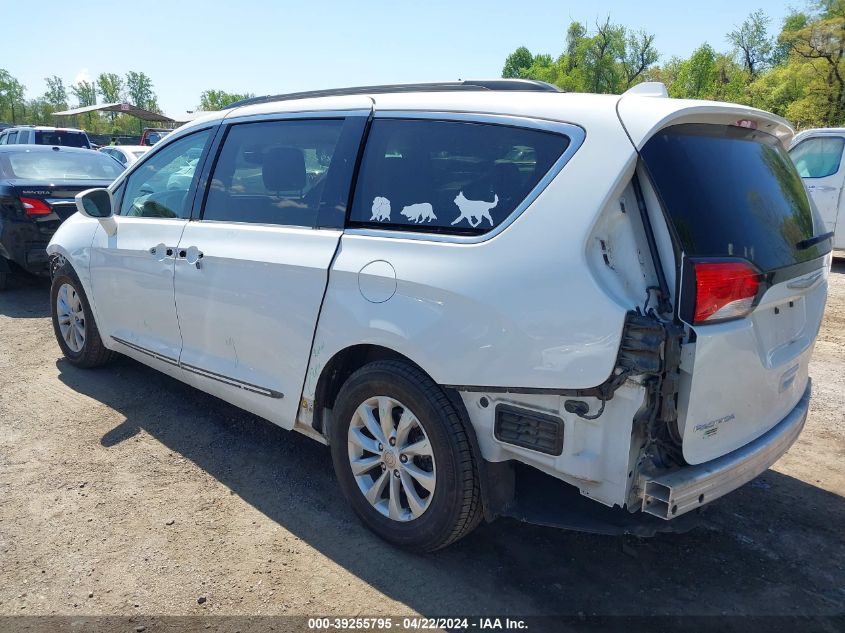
(124, 108)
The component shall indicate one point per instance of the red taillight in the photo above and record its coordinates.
(724, 290)
(34, 206)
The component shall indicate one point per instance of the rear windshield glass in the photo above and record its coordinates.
(61, 137)
(732, 192)
(449, 177)
(49, 165)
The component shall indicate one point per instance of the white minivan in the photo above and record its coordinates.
(471, 291)
(817, 155)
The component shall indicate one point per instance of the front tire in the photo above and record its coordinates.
(403, 458)
(73, 323)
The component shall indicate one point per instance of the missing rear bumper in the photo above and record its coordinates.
(678, 492)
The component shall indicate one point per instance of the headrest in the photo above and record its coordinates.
(283, 169)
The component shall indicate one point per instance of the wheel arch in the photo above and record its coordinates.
(348, 360)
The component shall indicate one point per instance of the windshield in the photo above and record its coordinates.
(733, 192)
(61, 137)
(56, 165)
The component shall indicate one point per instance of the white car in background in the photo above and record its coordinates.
(817, 155)
(126, 155)
(471, 292)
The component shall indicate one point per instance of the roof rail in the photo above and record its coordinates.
(529, 85)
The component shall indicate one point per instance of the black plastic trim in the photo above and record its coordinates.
(233, 382)
(539, 422)
(167, 359)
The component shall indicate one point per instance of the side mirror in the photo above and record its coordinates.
(94, 203)
(97, 204)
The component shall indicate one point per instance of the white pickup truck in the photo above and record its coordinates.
(817, 155)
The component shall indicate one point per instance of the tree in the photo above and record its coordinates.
(821, 43)
(219, 99)
(56, 95)
(517, 62)
(575, 34)
(610, 60)
(11, 95)
(639, 55)
(696, 75)
(110, 86)
(85, 93)
(601, 56)
(140, 90)
(753, 43)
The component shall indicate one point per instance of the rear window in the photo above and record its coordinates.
(449, 177)
(732, 192)
(61, 137)
(49, 165)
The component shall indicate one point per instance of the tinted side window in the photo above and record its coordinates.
(444, 176)
(273, 172)
(159, 187)
(12, 138)
(818, 157)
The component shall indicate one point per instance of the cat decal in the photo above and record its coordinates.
(474, 211)
(422, 212)
(381, 209)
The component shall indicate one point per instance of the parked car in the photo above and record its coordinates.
(37, 189)
(817, 155)
(125, 154)
(471, 292)
(152, 135)
(42, 135)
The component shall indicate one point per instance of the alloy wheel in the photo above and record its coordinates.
(71, 317)
(391, 458)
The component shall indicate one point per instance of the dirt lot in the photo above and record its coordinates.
(123, 491)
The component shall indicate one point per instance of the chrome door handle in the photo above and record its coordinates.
(192, 255)
(167, 250)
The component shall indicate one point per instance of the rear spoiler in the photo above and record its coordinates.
(645, 109)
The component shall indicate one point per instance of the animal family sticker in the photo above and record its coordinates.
(473, 211)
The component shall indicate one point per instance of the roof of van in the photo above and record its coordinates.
(642, 110)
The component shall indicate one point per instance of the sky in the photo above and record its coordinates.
(266, 47)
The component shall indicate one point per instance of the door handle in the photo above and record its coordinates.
(192, 255)
(161, 248)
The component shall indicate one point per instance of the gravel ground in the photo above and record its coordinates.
(125, 492)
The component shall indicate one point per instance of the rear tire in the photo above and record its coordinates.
(73, 322)
(416, 483)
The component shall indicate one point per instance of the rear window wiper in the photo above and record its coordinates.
(812, 241)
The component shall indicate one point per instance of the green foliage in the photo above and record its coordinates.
(110, 87)
(517, 62)
(56, 95)
(610, 59)
(85, 93)
(139, 88)
(11, 97)
(799, 75)
(752, 42)
(219, 99)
